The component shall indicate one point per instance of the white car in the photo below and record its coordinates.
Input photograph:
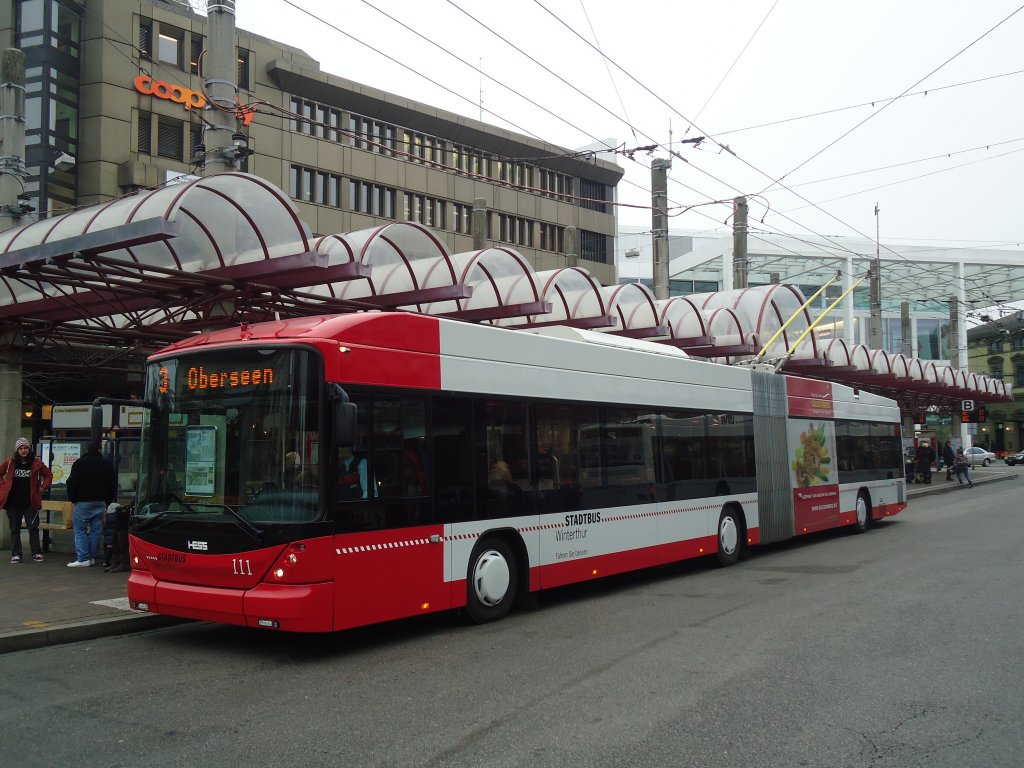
(976, 455)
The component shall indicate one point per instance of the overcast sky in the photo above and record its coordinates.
(720, 70)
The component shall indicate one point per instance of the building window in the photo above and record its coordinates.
(461, 218)
(996, 369)
(892, 333)
(169, 46)
(1018, 373)
(595, 247)
(195, 134)
(169, 139)
(195, 53)
(375, 199)
(593, 194)
(995, 347)
(243, 69)
(68, 29)
(146, 38)
(933, 339)
(552, 238)
(145, 138)
(515, 230)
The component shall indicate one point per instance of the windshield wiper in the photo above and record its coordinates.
(149, 522)
(245, 525)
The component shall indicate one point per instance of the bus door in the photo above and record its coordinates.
(390, 554)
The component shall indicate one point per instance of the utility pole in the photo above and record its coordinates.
(876, 291)
(222, 144)
(572, 256)
(907, 347)
(739, 242)
(478, 223)
(13, 200)
(956, 426)
(659, 224)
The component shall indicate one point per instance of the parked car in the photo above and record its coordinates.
(1014, 458)
(976, 455)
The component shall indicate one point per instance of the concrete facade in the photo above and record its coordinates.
(360, 158)
(117, 86)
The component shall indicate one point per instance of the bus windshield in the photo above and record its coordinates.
(234, 437)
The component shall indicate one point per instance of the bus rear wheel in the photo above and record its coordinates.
(491, 581)
(862, 522)
(730, 531)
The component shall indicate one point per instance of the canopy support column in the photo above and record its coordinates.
(10, 416)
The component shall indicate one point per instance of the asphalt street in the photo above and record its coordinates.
(900, 647)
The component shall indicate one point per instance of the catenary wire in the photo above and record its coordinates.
(734, 63)
(890, 103)
(868, 104)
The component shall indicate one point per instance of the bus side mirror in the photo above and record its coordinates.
(344, 413)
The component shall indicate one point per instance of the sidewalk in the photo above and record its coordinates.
(48, 603)
(980, 475)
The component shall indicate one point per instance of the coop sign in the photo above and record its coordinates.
(179, 94)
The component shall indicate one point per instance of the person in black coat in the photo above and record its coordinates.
(948, 457)
(92, 485)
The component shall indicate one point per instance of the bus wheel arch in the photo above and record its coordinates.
(494, 576)
(730, 535)
(862, 512)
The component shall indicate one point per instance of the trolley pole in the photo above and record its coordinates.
(739, 243)
(659, 224)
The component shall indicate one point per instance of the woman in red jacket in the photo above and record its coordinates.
(24, 478)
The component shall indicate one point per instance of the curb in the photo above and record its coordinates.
(911, 495)
(86, 630)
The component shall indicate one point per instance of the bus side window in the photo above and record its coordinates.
(451, 458)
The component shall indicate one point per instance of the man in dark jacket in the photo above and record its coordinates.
(92, 485)
(948, 457)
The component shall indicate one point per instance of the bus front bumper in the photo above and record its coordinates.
(287, 607)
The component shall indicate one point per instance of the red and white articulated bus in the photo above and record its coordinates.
(322, 473)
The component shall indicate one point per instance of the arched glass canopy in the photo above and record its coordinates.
(164, 263)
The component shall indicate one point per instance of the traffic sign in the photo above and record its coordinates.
(968, 405)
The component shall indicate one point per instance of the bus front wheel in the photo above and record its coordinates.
(491, 581)
(730, 530)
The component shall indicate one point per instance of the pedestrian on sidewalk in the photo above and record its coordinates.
(925, 457)
(949, 459)
(92, 485)
(963, 468)
(24, 478)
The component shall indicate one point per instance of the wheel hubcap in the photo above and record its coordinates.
(862, 511)
(490, 578)
(727, 535)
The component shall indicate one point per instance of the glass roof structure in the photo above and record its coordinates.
(164, 264)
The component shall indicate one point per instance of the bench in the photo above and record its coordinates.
(64, 522)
